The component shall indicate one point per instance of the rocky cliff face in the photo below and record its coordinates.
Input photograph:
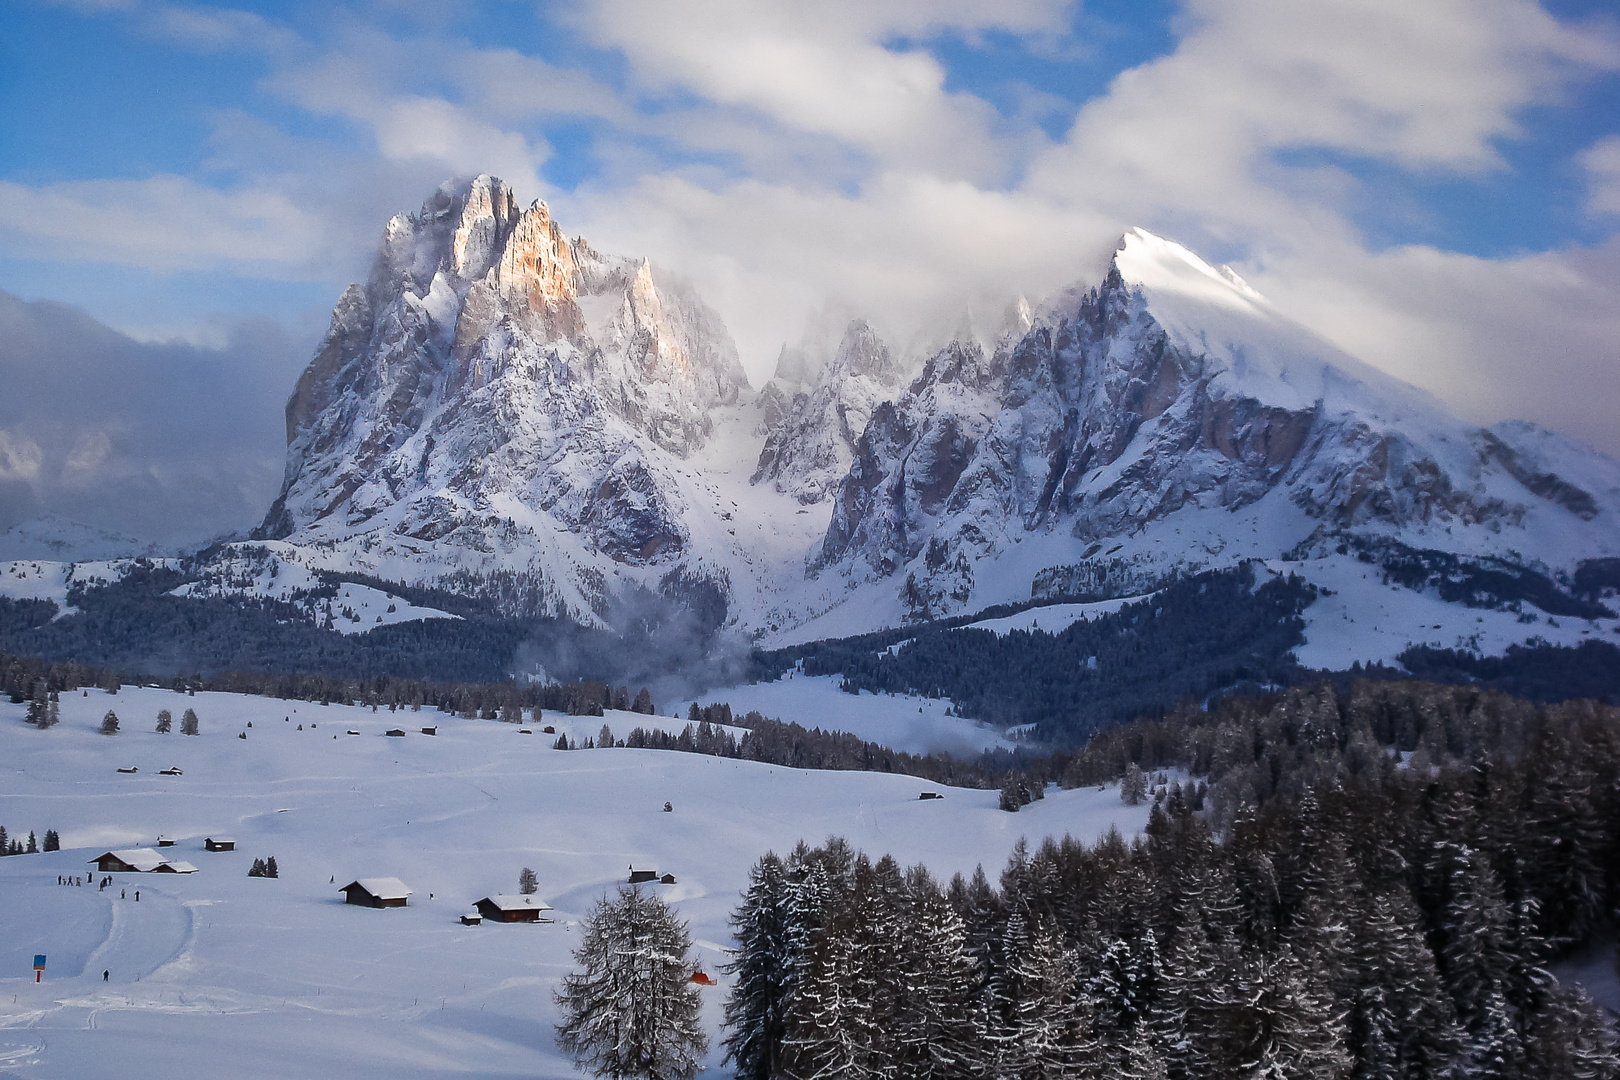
(495, 378)
(501, 399)
(810, 433)
(1171, 385)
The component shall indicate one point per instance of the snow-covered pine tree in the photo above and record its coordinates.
(1474, 923)
(270, 867)
(528, 883)
(109, 723)
(630, 1009)
(830, 1034)
(1389, 955)
(1050, 1034)
(1291, 1029)
(53, 842)
(1572, 1037)
(1371, 1032)
(937, 1033)
(1141, 1061)
(165, 722)
(188, 722)
(755, 1014)
(39, 705)
(1563, 833)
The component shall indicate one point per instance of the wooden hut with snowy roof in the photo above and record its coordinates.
(513, 908)
(129, 861)
(376, 892)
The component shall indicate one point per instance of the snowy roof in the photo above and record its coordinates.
(175, 866)
(383, 888)
(219, 839)
(510, 902)
(144, 860)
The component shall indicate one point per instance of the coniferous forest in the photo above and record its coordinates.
(1368, 883)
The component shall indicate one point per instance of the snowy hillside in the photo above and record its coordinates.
(280, 978)
(58, 539)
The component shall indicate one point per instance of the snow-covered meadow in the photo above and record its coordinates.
(217, 973)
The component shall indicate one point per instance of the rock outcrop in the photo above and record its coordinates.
(492, 372)
(810, 436)
(1170, 385)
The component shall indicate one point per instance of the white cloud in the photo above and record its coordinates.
(161, 222)
(1602, 164)
(828, 69)
(20, 457)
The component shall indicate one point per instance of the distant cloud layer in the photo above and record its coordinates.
(855, 156)
(169, 443)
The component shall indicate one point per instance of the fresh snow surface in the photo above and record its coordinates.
(1264, 353)
(917, 725)
(1053, 618)
(57, 538)
(38, 579)
(355, 609)
(1367, 621)
(216, 973)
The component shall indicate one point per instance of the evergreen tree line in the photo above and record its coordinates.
(1209, 632)
(135, 624)
(798, 747)
(26, 679)
(1387, 924)
(10, 845)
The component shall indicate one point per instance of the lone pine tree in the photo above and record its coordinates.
(630, 1008)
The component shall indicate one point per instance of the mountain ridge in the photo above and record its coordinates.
(504, 409)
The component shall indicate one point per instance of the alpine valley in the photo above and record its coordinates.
(504, 424)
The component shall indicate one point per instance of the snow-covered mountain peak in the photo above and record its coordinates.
(500, 394)
(1166, 268)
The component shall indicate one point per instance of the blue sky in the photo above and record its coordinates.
(1436, 186)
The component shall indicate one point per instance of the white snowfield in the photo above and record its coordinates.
(219, 974)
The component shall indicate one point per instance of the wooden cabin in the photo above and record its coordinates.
(638, 876)
(165, 841)
(395, 733)
(510, 908)
(376, 892)
(472, 918)
(174, 866)
(130, 861)
(219, 843)
(433, 730)
(925, 796)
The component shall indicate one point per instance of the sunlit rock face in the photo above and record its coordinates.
(493, 366)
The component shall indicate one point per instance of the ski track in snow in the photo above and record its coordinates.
(217, 973)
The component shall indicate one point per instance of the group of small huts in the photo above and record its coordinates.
(140, 861)
(389, 892)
